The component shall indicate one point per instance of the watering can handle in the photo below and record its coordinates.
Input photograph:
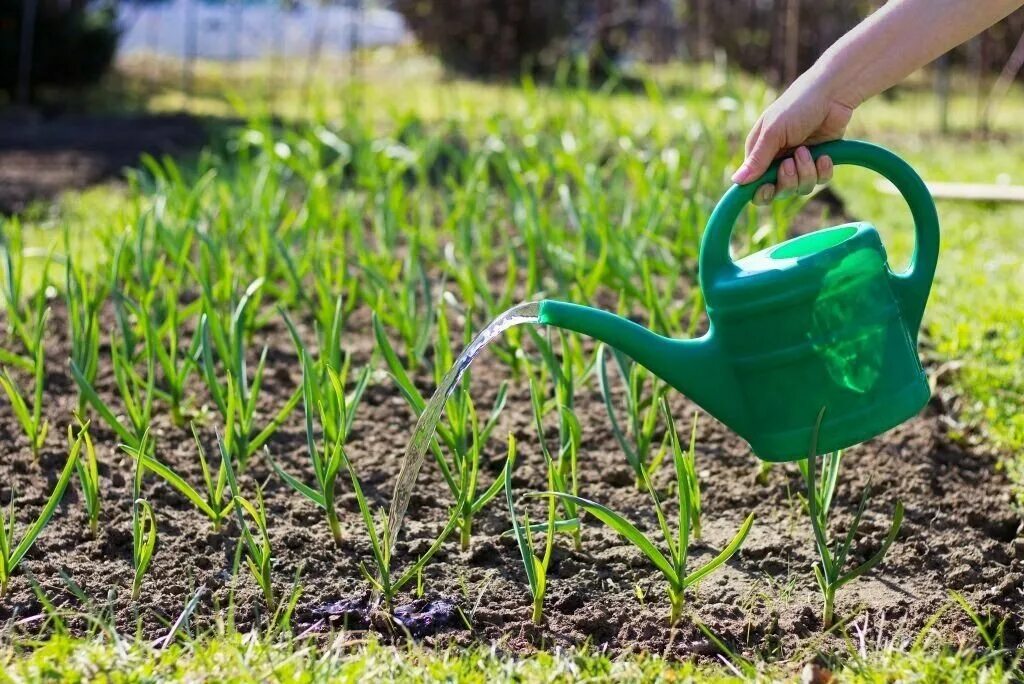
(911, 286)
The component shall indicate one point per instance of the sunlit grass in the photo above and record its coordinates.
(241, 657)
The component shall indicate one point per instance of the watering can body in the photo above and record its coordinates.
(816, 323)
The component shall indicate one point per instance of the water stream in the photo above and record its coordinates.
(427, 423)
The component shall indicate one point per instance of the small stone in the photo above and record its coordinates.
(813, 674)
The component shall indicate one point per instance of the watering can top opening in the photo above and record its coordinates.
(818, 322)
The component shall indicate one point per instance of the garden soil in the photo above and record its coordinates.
(960, 533)
(41, 157)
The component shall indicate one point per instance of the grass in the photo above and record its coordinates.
(238, 657)
(499, 193)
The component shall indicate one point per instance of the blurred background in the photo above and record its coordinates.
(47, 45)
(66, 66)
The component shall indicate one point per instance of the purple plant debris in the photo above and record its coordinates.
(422, 617)
(419, 618)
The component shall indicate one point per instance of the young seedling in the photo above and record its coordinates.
(11, 552)
(536, 567)
(31, 417)
(411, 310)
(464, 436)
(143, 518)
(833, 556)
(25, 319)
(136, 392)
(336, 412)
(562, 472)
(83, 297)
(143, 542)
(175, 367)
(564, 376)
(88, 473)
(382, 582)
(688, 459)
(216, 504)
(258, 553)
(673, 567)
(640, 447)
(236, 397)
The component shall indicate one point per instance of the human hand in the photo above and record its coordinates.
(807, 113)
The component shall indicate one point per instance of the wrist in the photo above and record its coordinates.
(836, 80)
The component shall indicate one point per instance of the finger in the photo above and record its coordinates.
(825, 168)
(788, 179)
(754, 134)
(806, 171)
(762, 152)
(765, 194)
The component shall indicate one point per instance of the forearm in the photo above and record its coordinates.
(898, 39)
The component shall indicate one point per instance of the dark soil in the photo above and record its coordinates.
(960, 533)
(40, 157)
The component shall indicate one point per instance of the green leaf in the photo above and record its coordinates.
(44, 516)
(184, 488)
(304, 489)
(894, 529)
(521, 536)
(625, 529)
(85, 387)
(726, 553)
(606, 394)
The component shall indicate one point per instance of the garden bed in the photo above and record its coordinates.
(959, 534)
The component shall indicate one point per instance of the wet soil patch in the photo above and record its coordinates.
(41, 157)
(960, 532)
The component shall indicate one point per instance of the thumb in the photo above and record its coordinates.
(759, 156)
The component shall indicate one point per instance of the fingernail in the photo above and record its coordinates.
(826, 163)
(804, 154)
(788, 168)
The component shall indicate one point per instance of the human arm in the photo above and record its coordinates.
(878, 53)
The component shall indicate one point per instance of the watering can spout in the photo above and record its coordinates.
(694, 367)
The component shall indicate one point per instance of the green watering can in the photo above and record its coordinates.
(816, 322)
